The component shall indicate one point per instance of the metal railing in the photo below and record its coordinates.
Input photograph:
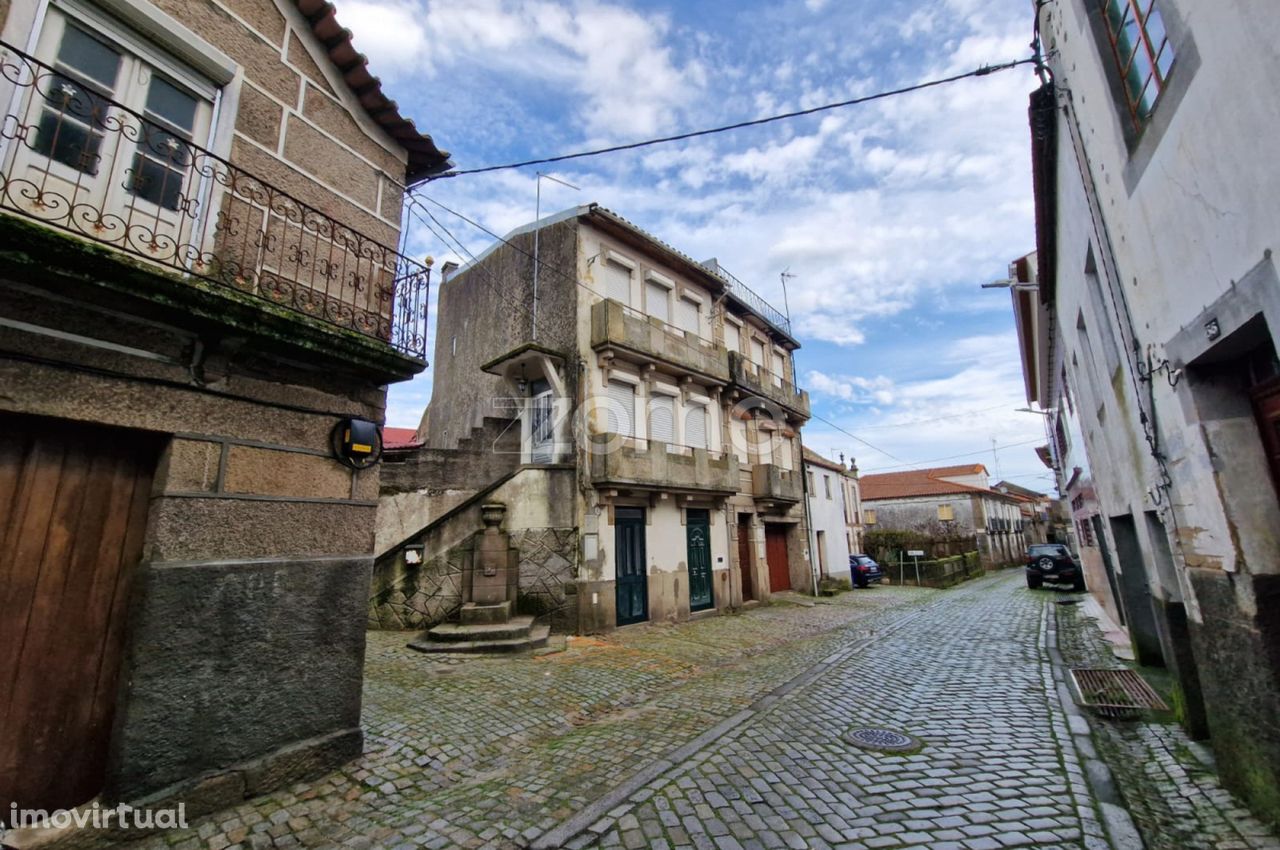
(76, 160)
(748, 296)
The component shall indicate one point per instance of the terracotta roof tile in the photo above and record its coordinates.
(400, 438)
(923, 482)
(425, 158)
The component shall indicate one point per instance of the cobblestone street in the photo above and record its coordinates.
(726, 733)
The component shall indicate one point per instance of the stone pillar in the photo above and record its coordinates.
(491, 563)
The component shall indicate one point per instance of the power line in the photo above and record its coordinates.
(933, 419)
(981, 71)
(951, 457)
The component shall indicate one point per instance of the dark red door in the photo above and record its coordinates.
(1266, 406)
(775, 546)
(73, 514)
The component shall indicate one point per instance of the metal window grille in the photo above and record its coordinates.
(1142, 53)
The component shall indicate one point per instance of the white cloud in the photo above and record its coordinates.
(612, 59)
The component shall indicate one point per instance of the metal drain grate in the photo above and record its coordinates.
(1115, 693)
(885, 740)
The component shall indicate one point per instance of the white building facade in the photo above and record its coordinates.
(1156, 221)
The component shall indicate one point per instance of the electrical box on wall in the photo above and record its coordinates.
(357, 443)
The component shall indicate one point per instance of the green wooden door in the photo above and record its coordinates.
(632, 582)
(698, 532)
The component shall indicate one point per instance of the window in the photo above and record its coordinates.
(656, 301)
(812, 488)
(622, 408)
(617, 281)
(1142, 52)
(732, 336)
(688, 315)
(946, 513)
(662, 419)
(97, 71)
(868, 516)
(695, 427)
(826, 484)
(757, 353)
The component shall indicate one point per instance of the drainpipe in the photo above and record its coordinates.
(810, 544)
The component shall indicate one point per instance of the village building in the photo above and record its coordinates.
(1035, 508)
(633, 414)
(1156, 276)
(201, 306)
(834, 515)
(953, 507)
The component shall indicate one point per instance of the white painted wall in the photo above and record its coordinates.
(828, 516)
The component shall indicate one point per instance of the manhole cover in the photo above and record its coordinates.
(881, 739)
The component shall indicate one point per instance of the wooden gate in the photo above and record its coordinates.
(73, 511)
(775, 550)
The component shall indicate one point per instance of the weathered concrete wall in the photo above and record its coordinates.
(539, 521)
(486, 310)
(1187, 230)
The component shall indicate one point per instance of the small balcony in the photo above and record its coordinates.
(626, 463)
(614, 325)
(753, 380)
(772, 483)
(78, 162)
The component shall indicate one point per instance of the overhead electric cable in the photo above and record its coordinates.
(982, 71)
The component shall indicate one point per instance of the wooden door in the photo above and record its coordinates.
(775, 549)
(744, 558)
(73, 510)
(1266, 407)
(632, 583)
(698, 545)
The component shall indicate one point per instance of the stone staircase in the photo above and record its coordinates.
(484, 629)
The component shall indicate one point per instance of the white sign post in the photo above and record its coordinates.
(916, 554)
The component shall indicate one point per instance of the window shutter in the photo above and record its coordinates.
(687, 315)
(622, 409)
(662, 419)
(618, 282)
(732, 338)
(656, 302)
(695, 427)
(757, 353)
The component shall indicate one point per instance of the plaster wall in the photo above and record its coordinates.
(828, 516)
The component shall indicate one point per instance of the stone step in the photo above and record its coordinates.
(536, 639)
(515, 628)
(474, 615)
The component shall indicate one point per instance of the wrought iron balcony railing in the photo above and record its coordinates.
(73, 159)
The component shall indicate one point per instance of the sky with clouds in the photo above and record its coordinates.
(889, 215)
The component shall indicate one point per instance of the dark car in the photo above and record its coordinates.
(1053, 563)
(863, 570)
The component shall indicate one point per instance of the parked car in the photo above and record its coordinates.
(1053, 563)
(864, 570)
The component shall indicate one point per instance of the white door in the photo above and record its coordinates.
(687, 316)
(541, 423)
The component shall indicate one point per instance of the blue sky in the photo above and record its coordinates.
(890, 215)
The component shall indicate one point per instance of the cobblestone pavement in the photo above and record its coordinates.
(726, 734)
(967, 678)
(1167, 780)
(466, 752)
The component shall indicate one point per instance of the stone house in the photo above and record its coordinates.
(952, 504)
(200, 309)
(635, 411)
(1156, 227)
(1035, 510)
(834, 516)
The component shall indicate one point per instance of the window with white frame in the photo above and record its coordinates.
(826, 484)
(621, 408)
(732, 335)
(117, 122)
(689, 315)
(696, 431)
(758, 355)
(662, 418)
(657, 301)
(617, 280)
